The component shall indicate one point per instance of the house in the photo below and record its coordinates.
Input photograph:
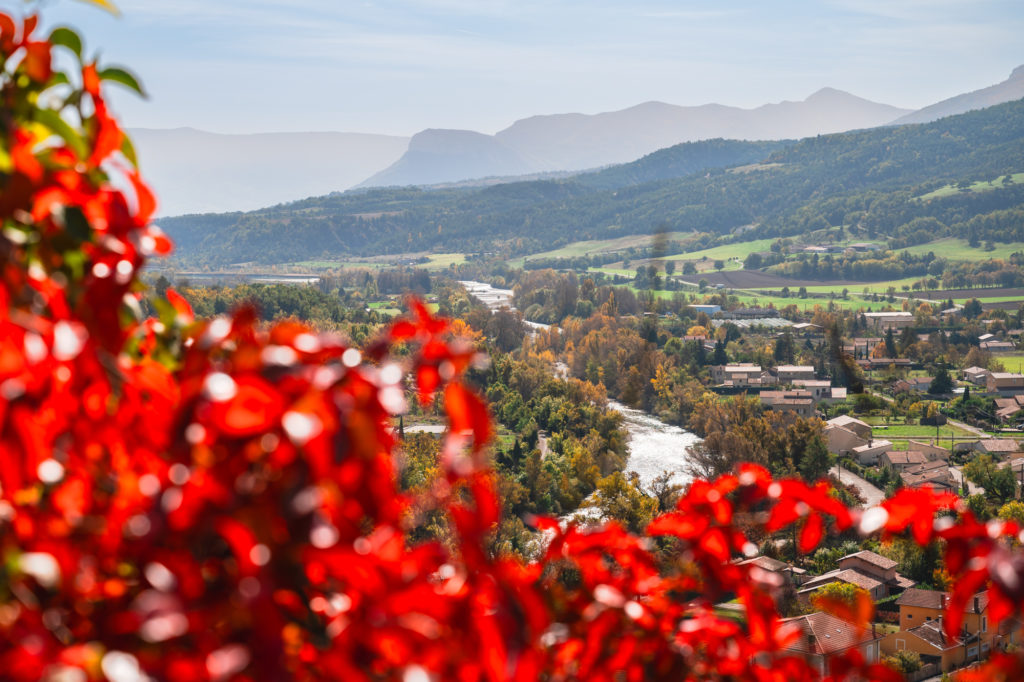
(842, 441)
(798, 402)
(706, 309)
(936, 474)
(819, 388)
(824, 636)
(870, 571)
(895, 320)
(912, 384)
(862, 429)
(921, 607)
(931, 451)
(1000, 448)
(930, 642)
(1004, 381)
(788, 572)
(870, 452)
(997, 346)
(1008, 408)
(901, 460)
(736, 372)
(976, 375)
(789, 373)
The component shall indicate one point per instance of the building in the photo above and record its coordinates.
(744, 374)
(808, 329)
(997, 346)
(930, 642)
(798, 402)
(901, 460)
(936, 474)
(820, 389)
(976, 375)
(896, 320)
(1004, 382)
(842, 441)
(871, 452)
(706, 309)
(862, 429)
(912, 384)
(790, 373)
(867, 570)
(824, 636)
(788, 572)
(931, 450)
(1008, 408)
(924, 607)
(998, 448)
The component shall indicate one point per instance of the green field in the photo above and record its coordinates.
(586, 248)
(1013, 362)
(738, 250)
(958, 249)
(899, 434)
(753, 299)
(980, 186)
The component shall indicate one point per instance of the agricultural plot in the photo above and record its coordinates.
(959, 250)
(588, 247)
(980, 186)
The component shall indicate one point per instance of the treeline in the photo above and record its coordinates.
(860, 267)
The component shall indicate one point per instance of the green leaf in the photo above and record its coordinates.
(65, 37)
(128, 149)
(104, 4)
(52, 120)
(118, 75)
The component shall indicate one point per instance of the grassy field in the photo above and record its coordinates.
(1013, 362)
(585, 248)
(900, 434)
(738, 250)
(980, 186)
(958, 249)
(753, 299)
(437, 261)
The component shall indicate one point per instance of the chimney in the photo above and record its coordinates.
(976, 605)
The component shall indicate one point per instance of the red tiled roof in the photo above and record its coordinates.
(825, 634)
(925, 599)
(932, 633)
(874, 559)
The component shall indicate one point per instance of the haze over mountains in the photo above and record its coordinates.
(195, 171)
(579, 141)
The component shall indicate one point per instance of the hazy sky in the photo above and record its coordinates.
(398, 66)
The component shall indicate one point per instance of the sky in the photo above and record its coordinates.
(399, 66)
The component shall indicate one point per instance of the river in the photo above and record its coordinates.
(654, 446)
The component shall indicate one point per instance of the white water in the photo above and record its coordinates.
(654, 446)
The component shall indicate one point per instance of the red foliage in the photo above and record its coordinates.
(211, 499)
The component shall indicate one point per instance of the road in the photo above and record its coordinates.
(872, 495)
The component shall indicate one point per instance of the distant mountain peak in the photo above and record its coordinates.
(1009, 90)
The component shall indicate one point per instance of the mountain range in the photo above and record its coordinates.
(878, 182)
(195, 171)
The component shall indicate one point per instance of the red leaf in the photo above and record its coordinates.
(811, 533)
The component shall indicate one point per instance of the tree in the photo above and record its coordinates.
(942, 383)
(815, 460)
(999, 484)
(670, 267)
(719, 264)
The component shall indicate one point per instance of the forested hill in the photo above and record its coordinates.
(872, 177)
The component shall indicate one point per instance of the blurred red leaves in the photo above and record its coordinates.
(212, 499)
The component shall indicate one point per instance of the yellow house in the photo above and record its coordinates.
(923, 609)
(930, 642)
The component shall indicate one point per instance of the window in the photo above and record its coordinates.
(901, 644)
(910, 616)
(984, 624)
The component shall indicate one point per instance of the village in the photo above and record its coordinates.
(896, 434)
